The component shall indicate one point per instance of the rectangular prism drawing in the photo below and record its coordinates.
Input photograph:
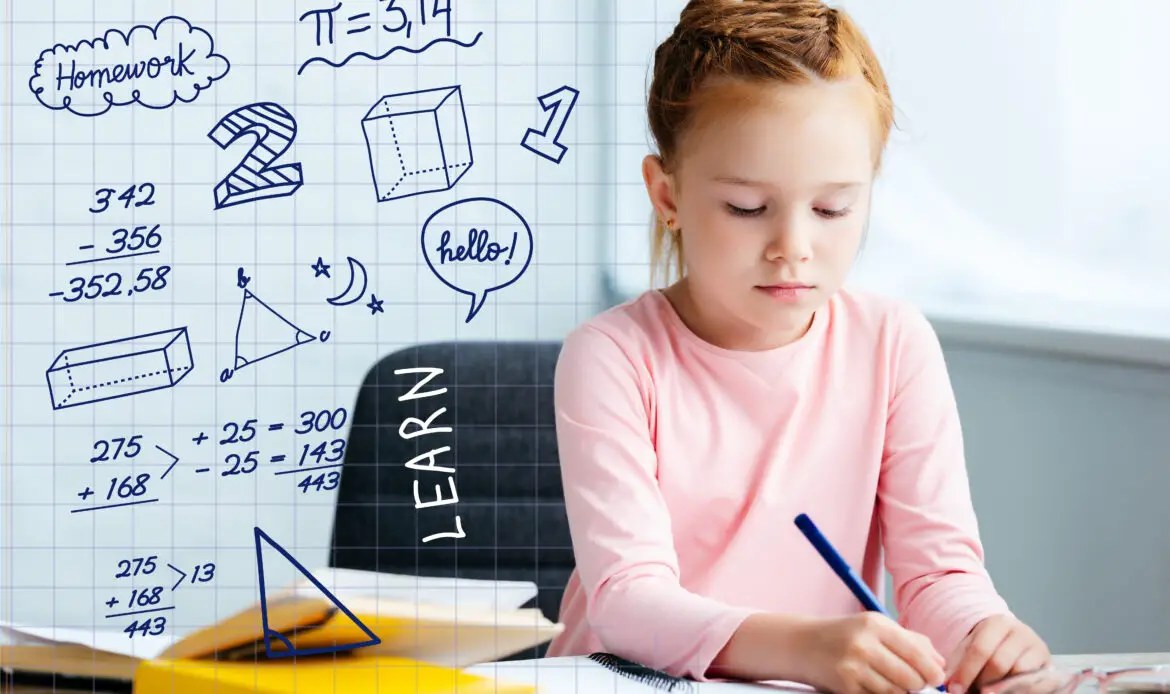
(418, 142)
(119, 368)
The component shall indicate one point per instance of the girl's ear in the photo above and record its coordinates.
(660, 187)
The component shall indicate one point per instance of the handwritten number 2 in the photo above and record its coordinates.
(254, 178)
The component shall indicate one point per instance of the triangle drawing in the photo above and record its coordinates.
(265, 320)
(270, 634)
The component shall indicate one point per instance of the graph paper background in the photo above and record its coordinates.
(59, 563)
(1042, 176)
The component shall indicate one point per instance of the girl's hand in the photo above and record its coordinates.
(868, 653)
(997, 647)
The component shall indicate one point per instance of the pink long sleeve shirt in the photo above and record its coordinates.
(684, 465)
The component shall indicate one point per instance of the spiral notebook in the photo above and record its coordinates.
(580, 674)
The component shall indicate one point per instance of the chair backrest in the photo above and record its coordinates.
(502, 445)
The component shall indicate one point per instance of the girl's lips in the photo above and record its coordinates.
(786, 292)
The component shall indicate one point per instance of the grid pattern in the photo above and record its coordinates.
(73, 178)
(154, 428)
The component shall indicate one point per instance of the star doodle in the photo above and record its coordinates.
(375, 305)
(320, 268)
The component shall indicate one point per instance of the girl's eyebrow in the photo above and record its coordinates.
(830, 186)
(842, 185)
(740, 181)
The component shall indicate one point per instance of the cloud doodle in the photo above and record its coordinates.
(154, 66)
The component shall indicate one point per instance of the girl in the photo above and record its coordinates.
(696, 422)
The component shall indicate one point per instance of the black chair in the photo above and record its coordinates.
(503, 448)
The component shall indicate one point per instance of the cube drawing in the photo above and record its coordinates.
(119, 368)
(418, 142)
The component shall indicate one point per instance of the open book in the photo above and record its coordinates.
(445, 622)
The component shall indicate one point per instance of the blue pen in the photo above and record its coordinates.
(864, 595)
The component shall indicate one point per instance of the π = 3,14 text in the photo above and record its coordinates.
(360, 28)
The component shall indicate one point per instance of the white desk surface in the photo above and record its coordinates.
(578, 675)
(1111, 660)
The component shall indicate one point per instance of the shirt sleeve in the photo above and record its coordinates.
(618, 520)
(930, 535)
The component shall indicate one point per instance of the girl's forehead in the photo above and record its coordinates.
(754, 124)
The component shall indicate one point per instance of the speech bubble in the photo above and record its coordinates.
(477, 246)
(153, 66)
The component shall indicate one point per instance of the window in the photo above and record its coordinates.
(1026, 180)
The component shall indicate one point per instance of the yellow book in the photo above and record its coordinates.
(422, 632)
(334, 629)
(324, 674)
(451, 632)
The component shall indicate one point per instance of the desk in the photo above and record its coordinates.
(1070, 661)
(578, 675)
(1111, 659)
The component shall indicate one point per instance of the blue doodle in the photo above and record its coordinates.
(126, 487)
(387, 54)
(174, 461)
(320, 268)
(127, 448)
(107, 284)
(124, 248)
(398, 21)
(152, 66)
(317, 15)
(312, 423)
(538, 141)
(358, 280)
(123, 447)
(254, 310)
(128, 242)
(148, 600)
(375, 305)
(142, 601)
(483, 253)
(201, 573)
(122, 491)
(417, 142)
(254, 178)
(270, 634)
(101, 197)
(119, 368)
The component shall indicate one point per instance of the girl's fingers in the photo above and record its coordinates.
(981, 646)
(1004, 659)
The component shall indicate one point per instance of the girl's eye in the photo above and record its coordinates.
(832, 214)
(744, 212)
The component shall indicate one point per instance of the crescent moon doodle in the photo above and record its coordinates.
(350, 296)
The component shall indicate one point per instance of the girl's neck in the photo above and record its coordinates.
(721, 328)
